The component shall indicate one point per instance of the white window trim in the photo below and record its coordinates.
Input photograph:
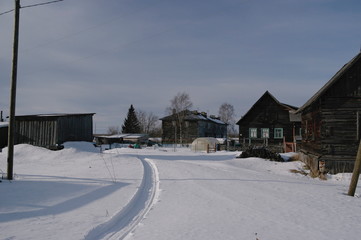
(263, 131)
(251, 132)
(276, 135)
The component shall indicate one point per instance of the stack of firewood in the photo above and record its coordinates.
(261, 152)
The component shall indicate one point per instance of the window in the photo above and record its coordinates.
(278, 133)
(265, 132)
(253, 133)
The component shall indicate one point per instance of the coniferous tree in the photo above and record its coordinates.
(131, 123)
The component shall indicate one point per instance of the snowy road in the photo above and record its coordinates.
(155, 194)
(120, 225)
(227, 198)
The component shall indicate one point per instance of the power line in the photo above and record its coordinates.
(12, 10)
(32, 5)
(39, 4)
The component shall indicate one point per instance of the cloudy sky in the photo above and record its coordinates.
(102, 56)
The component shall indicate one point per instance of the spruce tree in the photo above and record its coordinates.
(131, 122)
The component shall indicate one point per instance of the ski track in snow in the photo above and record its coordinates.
(124, 222)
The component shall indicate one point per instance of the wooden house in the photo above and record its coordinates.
(193, 125)
(331, 121)
(52, 130)
(271, 123)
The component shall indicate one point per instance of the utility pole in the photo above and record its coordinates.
(11, 132)
(356, 173)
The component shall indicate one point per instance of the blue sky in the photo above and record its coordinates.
(104, 55)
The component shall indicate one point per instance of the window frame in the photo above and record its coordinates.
(263, 131)
(252, 132)
(276, 135)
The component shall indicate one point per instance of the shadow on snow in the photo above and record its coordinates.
(50, 197)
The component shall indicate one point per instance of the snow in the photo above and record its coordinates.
(159, 193)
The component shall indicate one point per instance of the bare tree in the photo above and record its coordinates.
(227, 115)
(179, 106)
(148, 121)
(113, 130)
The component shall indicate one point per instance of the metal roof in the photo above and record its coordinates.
(197, 116)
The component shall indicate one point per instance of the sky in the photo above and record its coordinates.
(96, 56)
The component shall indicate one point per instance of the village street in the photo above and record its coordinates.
(220, 197)
(79, 193)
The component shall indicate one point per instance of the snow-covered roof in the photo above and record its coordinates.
(197, 116)
(216, 120)
(4, 124)
(125, 135)
(53, 115)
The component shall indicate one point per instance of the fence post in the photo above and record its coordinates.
(356, 173)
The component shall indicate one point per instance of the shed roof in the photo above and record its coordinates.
(52, 115)
(330, 83)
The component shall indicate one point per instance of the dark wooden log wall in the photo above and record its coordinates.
(268, 114)
(332, 123)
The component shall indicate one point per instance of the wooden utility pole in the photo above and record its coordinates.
(11, 132)
(356, 173)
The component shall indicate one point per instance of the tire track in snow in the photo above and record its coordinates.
(124, 222)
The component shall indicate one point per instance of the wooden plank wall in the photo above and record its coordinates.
(75, 128)
(37, 132)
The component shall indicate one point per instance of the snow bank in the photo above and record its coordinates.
(64, 194)
(79, 193)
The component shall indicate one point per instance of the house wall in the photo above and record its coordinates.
(191, 129)
(332, 124)
(211, 129)
(311, 130)
(40, 132)
(75, 128)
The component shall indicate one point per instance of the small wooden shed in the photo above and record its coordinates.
(331, 121)
(52, 130)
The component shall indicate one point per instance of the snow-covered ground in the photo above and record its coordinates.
(80, 193)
